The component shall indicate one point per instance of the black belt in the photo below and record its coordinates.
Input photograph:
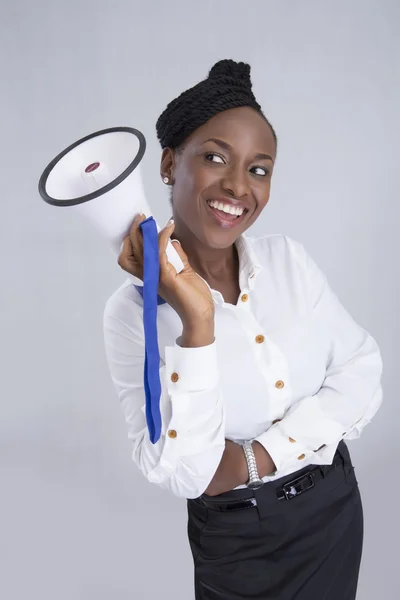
(288, 491)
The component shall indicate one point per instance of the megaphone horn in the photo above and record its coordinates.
(99, 176)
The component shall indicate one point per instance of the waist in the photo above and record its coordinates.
(324, 457)
(285, 487)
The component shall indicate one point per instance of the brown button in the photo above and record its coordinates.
(276, 421)
(244, 298)
(174, 377)
(301, 457)
(172, 433)
(279, 384)
(292, 440)
(260, 339)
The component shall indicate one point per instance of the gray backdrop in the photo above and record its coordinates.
(77, 519)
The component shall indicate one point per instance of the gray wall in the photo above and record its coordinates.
(77, 519)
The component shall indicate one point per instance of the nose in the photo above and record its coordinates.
(235, 183)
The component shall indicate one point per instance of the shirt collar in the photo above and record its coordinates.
(249, 267)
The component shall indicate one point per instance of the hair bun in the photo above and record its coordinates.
(229, 68)
(227, 86)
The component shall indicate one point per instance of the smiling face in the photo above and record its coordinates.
(234, 167)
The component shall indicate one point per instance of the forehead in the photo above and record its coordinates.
(242, 126)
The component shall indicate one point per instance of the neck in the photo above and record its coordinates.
(213, 264)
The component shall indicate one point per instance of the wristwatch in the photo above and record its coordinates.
(254, 479)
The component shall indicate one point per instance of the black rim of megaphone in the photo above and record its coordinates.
(106, 188)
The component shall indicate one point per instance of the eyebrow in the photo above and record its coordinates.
(227, 146)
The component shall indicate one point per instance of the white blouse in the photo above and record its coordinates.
(289, 367)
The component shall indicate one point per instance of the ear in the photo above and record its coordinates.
(168, 162)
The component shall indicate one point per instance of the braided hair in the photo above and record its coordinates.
(227, 86)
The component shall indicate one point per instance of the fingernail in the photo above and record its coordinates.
(170, 222)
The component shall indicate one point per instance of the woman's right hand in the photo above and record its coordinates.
(186, 291)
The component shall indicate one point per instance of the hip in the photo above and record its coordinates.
(276, 513)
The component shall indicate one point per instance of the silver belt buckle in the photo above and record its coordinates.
(298, 486)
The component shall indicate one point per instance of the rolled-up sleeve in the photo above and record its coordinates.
(188, 452)
(351, 392)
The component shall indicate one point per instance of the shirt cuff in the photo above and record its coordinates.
(282, 449)
(190, 370)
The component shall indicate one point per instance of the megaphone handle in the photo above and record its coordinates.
(173, 258)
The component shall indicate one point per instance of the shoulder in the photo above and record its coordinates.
(278, 248)
(124, 308)
(286, 260)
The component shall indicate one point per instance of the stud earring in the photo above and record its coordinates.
(166, 180)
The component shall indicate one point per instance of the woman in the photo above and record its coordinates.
(264, 373)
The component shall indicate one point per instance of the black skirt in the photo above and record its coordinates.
(305, 548)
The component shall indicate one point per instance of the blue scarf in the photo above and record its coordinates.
(151, 299)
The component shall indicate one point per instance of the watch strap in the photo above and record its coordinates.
(251, 462)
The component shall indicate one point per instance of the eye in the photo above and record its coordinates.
(266, 171)
(212, 154)
(264, 174)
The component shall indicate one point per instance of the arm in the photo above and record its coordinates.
(348, 399)
(351, 392)
(191, 404)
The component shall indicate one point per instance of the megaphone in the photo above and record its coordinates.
(99, 176)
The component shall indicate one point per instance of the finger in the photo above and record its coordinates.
(126, 243)
(126, 259)
(136, 238)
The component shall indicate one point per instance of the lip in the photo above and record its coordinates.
(225, 223)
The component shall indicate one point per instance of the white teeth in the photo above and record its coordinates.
(227, 208)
